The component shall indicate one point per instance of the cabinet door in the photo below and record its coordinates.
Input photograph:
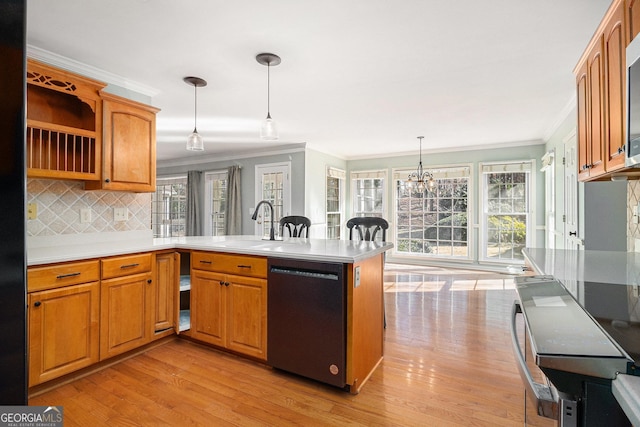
(247, 316)
(164, 291)
(584, 144)
(596, 110)
(129, 154)
(208, 307)
(63, 330)
(614, 68)
(124, 314)
(633, 19)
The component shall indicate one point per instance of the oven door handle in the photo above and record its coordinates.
(542, 395)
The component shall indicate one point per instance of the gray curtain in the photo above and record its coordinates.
(233, 212)
(195, 203)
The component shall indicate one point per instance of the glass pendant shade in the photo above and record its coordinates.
(195, 142)
(269, 130)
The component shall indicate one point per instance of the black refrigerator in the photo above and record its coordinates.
(13, 316)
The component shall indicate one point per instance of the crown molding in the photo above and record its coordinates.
(89, 71)
(562, 116)
(216, 157)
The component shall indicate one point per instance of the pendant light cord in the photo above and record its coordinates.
(268, 89)
(195, 108)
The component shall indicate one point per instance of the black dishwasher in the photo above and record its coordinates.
(306, 319)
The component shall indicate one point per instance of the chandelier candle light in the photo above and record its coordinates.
(268, 131)
(195, 142)
(421, 177)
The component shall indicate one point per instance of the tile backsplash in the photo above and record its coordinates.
(633, 229)
(59, 204)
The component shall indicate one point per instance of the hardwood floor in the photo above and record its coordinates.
(448, 362)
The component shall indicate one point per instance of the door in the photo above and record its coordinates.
(208, 308)
(247, 311)
(124, 314)
(63, 330)
(164, 294)
(274, 185)
(570, 231)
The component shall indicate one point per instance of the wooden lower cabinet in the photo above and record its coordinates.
(63, 330)
(125, 317)
(165, 291)
(230, 311)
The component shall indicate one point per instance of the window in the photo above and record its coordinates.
(433, 224)
(272, 184)
(335, 189)
(368, 193)
(216, 203)
(168, 207)
(505, 216)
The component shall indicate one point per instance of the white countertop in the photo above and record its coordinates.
(344, 251)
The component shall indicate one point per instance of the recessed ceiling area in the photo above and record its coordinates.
(358, 78)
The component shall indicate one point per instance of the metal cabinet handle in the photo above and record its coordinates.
(543, 397)
(573, 233)
(204, 261)
(243, 266)
(221, 282)
(37, 304)
(130, 265)
(107, 180)
(64, 276)
(149, 281)
(227, 283)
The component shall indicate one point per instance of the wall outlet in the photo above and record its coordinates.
(85, 215)
(356, 277)
(120, 214)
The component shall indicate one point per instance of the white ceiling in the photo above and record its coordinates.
(358, 78)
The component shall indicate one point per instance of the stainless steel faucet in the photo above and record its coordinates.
(255, 216)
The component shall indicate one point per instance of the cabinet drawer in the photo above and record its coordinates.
(55, 276)
(243, 265)
(125, 265)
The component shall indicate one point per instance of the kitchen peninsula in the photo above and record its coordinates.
(126, 295)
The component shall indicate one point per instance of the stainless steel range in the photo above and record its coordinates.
(580, 348)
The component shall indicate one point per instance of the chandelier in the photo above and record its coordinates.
(423, 179)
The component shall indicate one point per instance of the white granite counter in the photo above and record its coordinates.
(296, 248)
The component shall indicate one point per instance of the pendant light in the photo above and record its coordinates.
(268, 131)
(423, 179)
(195, 142)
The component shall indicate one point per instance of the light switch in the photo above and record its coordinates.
(32, 210)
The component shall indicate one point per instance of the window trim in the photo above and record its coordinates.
(341, 176)
(208, 179)
(439, 171)
(370, 174)
(165, 180)
(531, 203)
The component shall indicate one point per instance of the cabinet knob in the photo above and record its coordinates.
(221, 282)
(107, 180)
(37, 304)
(149, 280)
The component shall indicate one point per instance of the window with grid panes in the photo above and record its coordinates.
(216, 203)
(169, 207)
(335, 188)
(369, 193)
(433, 224)
(505, 189)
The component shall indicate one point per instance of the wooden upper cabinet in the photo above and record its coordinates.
(64, 124)
(633, 19)
(615, 102)
(601, 100)
(590, 87)
(584, 149)
(129, 140)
